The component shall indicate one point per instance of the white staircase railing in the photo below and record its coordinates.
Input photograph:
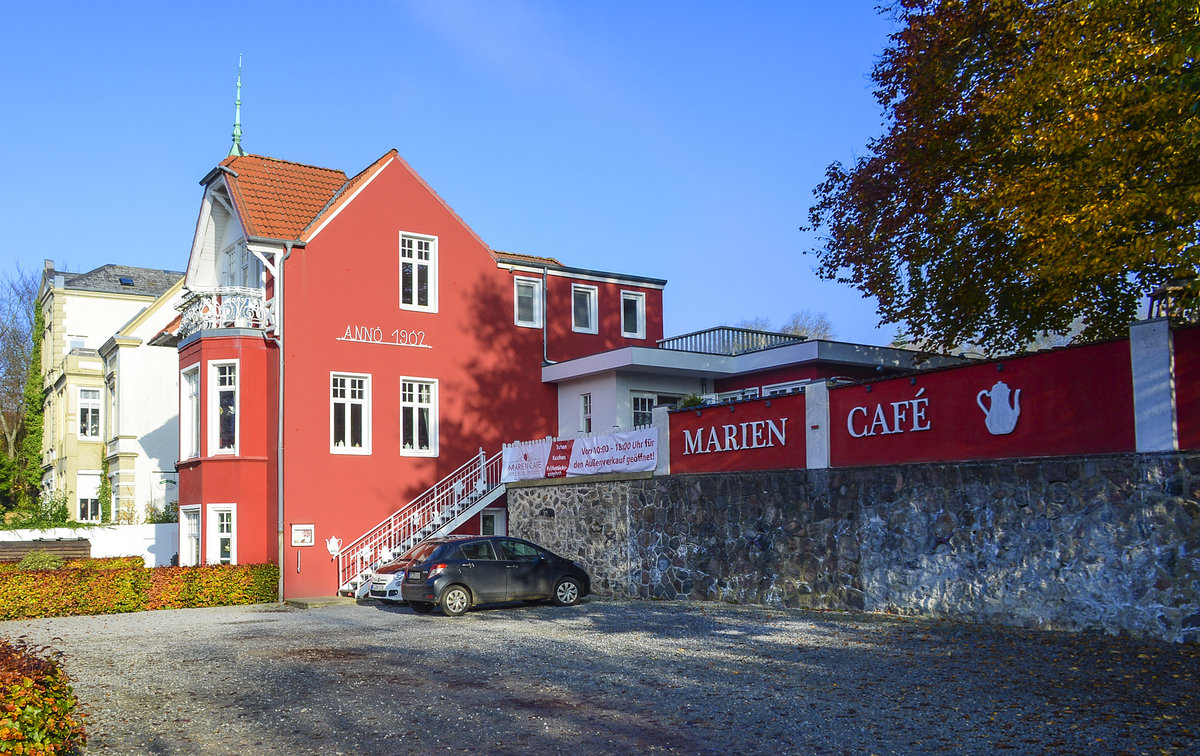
(441, 505)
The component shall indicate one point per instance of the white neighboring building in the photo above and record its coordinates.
(83, 312)
(141, 369)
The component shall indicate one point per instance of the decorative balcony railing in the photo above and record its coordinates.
(224, 307)
(728, 340)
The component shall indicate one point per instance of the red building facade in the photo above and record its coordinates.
(351, 341)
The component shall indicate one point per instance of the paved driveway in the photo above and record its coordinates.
(612, 677)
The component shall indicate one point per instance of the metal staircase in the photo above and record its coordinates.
(443, 507)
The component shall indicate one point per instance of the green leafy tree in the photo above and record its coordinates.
(1040, 168)
(18, 291)
(30, 462)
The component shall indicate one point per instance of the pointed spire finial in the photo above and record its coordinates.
(236, 150)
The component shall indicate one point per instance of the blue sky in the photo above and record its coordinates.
(680, 140)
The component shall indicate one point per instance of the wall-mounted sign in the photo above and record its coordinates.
(759, 434)
(1069, 401)
(304, 535)
(374, 335)
(622, 452)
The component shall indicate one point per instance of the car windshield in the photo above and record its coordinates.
(421, 552)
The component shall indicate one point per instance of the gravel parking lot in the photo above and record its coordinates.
(611, 677)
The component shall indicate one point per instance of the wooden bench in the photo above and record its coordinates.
(67, 548)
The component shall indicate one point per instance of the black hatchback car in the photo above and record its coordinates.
(457, 572)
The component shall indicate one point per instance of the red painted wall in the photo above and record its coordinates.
(1187, 386)
(1072, 401)
(565, 344)
(488, 369)
(739, 425)
(244, 478)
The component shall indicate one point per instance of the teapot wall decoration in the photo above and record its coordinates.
(333, 545)
(1000, 412)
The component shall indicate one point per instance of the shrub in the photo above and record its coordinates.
(125, 585)
(49, 511)
(41, 560)
(691, 400)
(38, 708)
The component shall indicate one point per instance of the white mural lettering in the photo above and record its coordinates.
(906, 416)
(374, 335)
(757, 434)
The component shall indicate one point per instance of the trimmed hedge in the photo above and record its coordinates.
(38, 708)
(114, 586)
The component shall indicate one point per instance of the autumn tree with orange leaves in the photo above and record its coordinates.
(1040, 166)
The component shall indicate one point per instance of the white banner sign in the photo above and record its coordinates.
(627, 451)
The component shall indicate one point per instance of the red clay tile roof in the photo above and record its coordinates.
(277, 199)
(518, 257)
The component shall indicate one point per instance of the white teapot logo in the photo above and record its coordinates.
(333, 545)
(1001, 415)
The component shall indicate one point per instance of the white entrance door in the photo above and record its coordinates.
(493, 522)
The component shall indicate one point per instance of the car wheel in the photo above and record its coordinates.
(455, 601)
(566, 593)
(421, 607)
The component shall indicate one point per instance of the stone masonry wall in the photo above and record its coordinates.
(1108, 543)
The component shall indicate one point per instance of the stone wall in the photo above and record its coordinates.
(1109, 543)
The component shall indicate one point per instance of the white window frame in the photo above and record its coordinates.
(110, 390)
(189, 414)
(593, 292)
(189, 548)
(212, 517)
(94, 496)
(214, 404)
(431, 264)
(432, 405)
(783, 389)
(738, 395)
(640, 298)
(536, 285)
(348, 401)
(585, 413)
(634, 396)
(92, 405)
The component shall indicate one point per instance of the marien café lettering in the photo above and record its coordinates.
(756, 434)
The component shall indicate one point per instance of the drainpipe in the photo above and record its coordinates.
(287, 252)
(545, 358)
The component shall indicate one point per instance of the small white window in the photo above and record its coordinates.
(643, 410)
(418, 272)
(350, 414)
(223, 408)
(89, 414)
(782, 389)
(527, 305)
(222, 534)
(189, 413)
(87, 492)
(583, 309)
(418, 417)
(633, 314)
(738, 394)
(585, 413)
(189, 536)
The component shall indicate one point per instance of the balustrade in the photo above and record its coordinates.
(225, 307)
